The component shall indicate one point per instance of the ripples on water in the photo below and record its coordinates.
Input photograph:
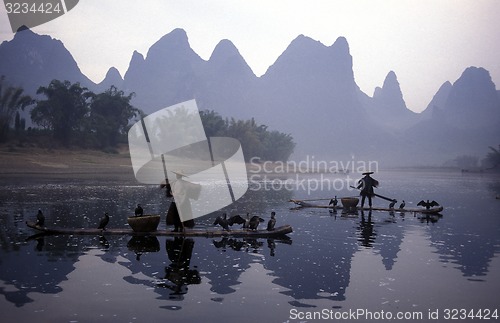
(378, 260)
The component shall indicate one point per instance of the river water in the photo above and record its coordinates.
(361, 267)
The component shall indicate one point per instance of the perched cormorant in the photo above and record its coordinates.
(104, 222)
(222, 221)
(391, 205)
(402, 205)
(40, 218)
(254, 222)
(334, 201)
(246, 225)
(272, 222)
(428, 204)
(139, 211)
(236, 219)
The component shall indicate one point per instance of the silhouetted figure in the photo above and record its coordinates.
(182, 191)
(391, 205)
(254, 222)
(222, 221)
(334, 201)
(366, 184)
(40, 218)
(174, 219)
(104, 222)
(427, 204)
(402, 205)
(167, 187)
(272, 222)
(139, 211)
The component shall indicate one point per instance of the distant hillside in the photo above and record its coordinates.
(31, 60)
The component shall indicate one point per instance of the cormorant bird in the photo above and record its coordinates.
(254, 222)
(236, 219)
(428, 204)
(222, 221)
(104, 222)
(402, 205)
(272, 222)
(139, 211)
(391, 205)
(334, 201)
(246, 225)
(40, 218)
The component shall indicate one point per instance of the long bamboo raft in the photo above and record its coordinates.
(433, 210)
(195, 232)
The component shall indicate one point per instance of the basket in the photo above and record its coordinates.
(349, 202)
(145, 223)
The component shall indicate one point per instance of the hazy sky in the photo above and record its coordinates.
(425, 42)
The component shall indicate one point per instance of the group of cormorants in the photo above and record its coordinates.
(250, 223)
(40, 220)
(423, 203)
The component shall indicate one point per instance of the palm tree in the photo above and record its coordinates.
(11, 100)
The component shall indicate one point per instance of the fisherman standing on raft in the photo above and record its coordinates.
(366, 184)
(182, 191)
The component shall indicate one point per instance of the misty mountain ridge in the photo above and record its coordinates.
(30, 60)
(113, 77)
(388, 107)
(309, 92)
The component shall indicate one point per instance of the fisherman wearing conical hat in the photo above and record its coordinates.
(182, 191)
(366, 184)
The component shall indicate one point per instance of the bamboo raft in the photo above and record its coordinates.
(195, 232)
(433, 210)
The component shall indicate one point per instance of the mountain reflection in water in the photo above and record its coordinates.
(331, 260)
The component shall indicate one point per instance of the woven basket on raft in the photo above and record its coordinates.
(349, 202)
(145, 223)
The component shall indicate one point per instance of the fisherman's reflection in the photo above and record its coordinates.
(366, 230)
(178, 274)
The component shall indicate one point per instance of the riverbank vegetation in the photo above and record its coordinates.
(67, 115)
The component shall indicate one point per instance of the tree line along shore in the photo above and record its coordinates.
(69, 116)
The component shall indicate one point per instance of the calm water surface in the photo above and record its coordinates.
(331, 263)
